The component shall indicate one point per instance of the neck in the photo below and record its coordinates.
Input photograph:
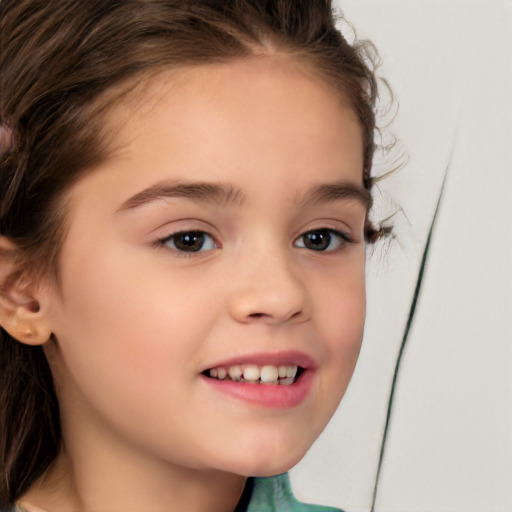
(88, 476)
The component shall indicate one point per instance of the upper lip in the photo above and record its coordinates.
(291, 357)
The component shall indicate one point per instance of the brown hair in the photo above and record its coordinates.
(63, 63)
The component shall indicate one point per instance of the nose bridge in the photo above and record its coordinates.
(267, 287)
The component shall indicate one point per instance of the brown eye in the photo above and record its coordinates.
(190, 241)
(321, 240)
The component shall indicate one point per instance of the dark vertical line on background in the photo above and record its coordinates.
(405, 337)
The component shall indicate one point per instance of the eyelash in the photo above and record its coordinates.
(343, 240)
(164, 242)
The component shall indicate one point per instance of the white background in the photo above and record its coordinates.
(449, 443)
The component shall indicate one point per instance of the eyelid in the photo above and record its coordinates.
(181, 225)
(333, 223)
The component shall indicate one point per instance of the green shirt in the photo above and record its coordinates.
(274, 494)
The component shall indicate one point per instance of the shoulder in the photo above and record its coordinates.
(274, 494)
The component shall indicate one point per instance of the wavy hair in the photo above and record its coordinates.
(63, 65)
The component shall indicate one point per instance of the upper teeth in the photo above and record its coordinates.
(254, 373)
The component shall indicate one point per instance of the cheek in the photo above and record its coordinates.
(128, 341)
(127, 322)
(340, 320)
(341, 299)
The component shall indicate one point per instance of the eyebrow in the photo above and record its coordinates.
(330, 192)
(226, 194)
(221, 194)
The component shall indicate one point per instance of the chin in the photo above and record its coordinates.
(269, 460)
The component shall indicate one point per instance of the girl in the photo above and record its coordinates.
(185, 188)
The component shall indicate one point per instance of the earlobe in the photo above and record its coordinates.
(21, 314)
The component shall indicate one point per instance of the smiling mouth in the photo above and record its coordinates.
(283, 375)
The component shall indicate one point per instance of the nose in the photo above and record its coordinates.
(267, 289)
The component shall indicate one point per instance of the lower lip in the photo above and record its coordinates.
(272, 396)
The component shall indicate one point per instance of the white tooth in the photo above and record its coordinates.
(221, 373)
(269, 374)
(286, 381)
(235, 372)
(291, 370)
(251, 372)
(214, 373)
(282, 371)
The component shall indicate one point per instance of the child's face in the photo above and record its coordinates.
(247, 158)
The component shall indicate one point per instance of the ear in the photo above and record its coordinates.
(22, 313)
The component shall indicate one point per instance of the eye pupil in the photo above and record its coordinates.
(191, 241)
(317, 240)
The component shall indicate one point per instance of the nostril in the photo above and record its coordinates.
(256, 315)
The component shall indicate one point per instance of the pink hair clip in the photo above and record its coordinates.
(6, 139)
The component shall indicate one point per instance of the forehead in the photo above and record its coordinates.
(267, 121)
